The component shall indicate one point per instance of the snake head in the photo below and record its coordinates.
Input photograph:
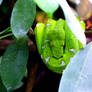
(56, 44)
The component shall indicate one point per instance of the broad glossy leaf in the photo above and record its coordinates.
(2, 87)
(22, 17)
(13, 63)
(17, 86)
(77, 76)
(49, 6)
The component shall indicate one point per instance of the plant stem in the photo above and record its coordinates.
(32, 78)
(7, 30)
(6, 36)
(2, 32)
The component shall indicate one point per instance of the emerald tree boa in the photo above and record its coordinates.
(56, 43)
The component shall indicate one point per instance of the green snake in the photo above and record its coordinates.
(56, 43)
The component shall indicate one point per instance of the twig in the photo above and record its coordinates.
(32, 78)
(4, 43)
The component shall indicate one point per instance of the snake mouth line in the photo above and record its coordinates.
(58, 57)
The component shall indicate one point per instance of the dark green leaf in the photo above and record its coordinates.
(22, 17)
(2, 87)
(78, 75)
(49, 6)
(13, 63)
(17, 86)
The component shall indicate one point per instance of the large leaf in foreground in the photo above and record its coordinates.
(22, 17)
(49, 6)
(13, 63)
(78, 74)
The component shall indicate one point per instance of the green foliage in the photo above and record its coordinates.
(56, 44)
(2, 87)
(49, 6)
(13, 63)
(22, 18)
(77, 76)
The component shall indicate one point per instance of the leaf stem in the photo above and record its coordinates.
(6, 36)
(4, 31)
